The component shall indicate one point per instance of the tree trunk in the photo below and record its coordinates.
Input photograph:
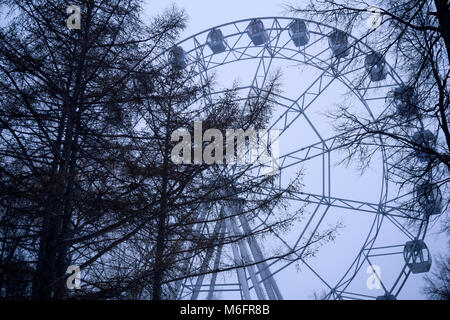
(46, 280)
(161, 220)
(160, 242)
(443, 14)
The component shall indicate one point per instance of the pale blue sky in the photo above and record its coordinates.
(203, 13)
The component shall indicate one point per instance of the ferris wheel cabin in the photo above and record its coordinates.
(299, 33)
(417, 256)
(429, 198)
(375, 65)
(177, 58)
(216, 41)
(426, 139)
(257, 32)
(338, 42)
(405, 101)
(386, 297)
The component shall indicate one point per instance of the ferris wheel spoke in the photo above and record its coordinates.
(321, 278)
(292, 250)
(374, 272)
(309, 152)
(342, 203)
(297, 252)
(203, 71)
(259, 80)
(303, 102)
(391, 250)
(190, 256)
(400, 227)
(352, 295)
(352, 74)
(358, 262)
(205, 263)
(368, 252)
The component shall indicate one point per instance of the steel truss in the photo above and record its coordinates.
(256, 277)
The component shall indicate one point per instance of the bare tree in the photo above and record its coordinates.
(437, 286)
(64, 94)
(414, 37)
(177, 236)
(86, 176)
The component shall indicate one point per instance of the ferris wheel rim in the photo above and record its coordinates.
(394, 75)
(184, 40)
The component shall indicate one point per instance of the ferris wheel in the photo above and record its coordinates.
(377, 250)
